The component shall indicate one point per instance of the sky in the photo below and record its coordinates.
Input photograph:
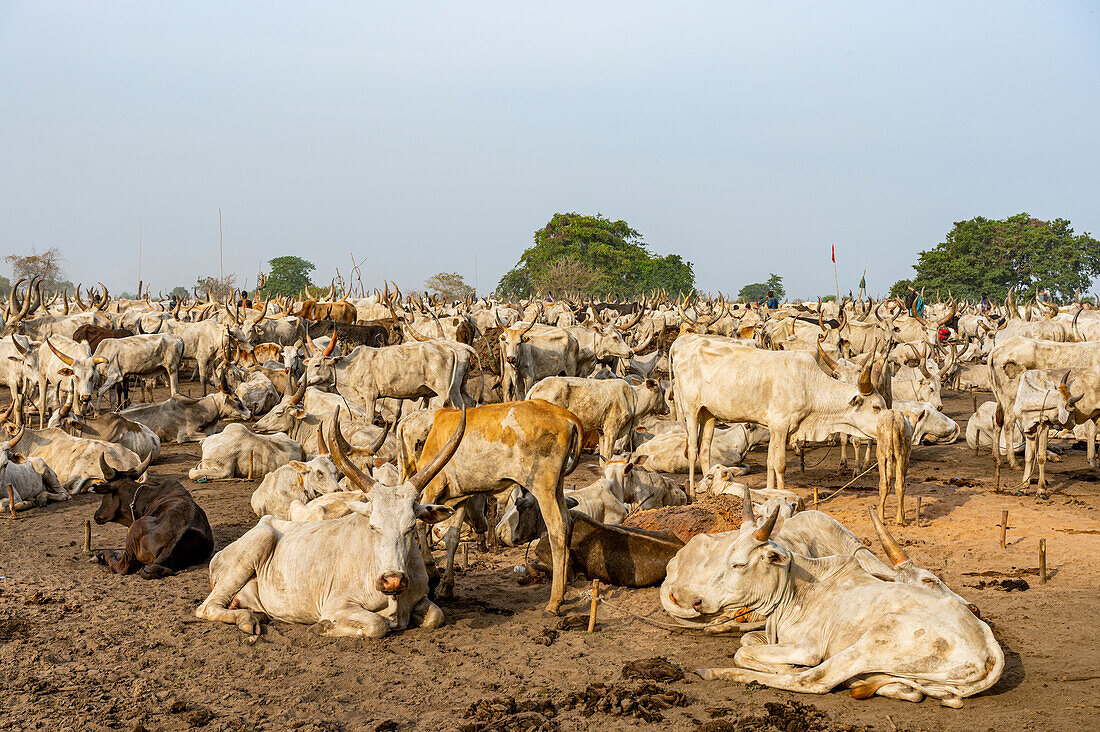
(438, 136)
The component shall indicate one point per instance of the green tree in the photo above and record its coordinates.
(990, 256)
(612, 249)
(5, 286)
(219, 288)
(179, 292)
(288, 276)
(758, 291)
(450, 285)
(901, 288)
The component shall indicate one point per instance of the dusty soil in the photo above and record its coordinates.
(82, 649)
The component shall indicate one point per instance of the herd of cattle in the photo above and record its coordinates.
(382, 423)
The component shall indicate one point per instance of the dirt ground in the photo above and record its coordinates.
(83, 649)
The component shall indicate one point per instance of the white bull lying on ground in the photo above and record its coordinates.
(729, 447)
(184, 419)
(236, 449)
(360, 575)
(830, 622)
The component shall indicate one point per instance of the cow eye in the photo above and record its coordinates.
(929, 581)
(737, 565)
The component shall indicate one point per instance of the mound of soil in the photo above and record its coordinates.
(708, 515)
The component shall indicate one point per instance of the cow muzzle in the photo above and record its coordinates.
(393, 583)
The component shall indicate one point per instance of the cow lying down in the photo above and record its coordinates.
(359, 575)
(830, 622)
(615, 555)
(32, 482)
(167, 531)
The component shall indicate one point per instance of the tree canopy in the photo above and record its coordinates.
(758, 291)
(450, 285)
(990, 256)
(612, 250)
(288, 276)
(220, 289)
(44, 265)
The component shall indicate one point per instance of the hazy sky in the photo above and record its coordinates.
(746, 138)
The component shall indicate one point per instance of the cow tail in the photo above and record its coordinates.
(575, 446)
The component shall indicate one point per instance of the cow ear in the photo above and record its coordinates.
(855, 401)
(103, 488)
(15, 358)
(651, 384)
(571, 502)
(300, 414)
(526, 339)
(640, 460)
(433, 513)
(775, 557)
(299, 466)
(65, 371)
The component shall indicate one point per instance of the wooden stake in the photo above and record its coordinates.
(974, 400)
(251, 454)
(815, 496)
(592, 609)
(1043, 561)
(1004, 526)
(801, 459)
(11, 501)
(87, 536)
(918, 510)
(466, 556)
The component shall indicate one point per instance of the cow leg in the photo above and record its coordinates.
(843, 453)
(691, 448)
(122, 562)
(706, 441)
(777, 456)
(819, 679)
(1090, 448)
(352, 621)
(1041, 460)
(173, 380)
(901, 467)
(426, 614)
(559, 530)
(1030, 440)
(451, 541)
(231, 570)
(883, 477)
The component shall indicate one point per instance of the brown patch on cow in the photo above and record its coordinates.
(708, 515)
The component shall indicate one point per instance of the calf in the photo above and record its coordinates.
(610, 406)
(296, 481)
(109, 427)
(166, 530)
(894, 441)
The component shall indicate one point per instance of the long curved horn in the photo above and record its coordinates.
(327, 353)
(765, 531)
(923, 365)
(263, 314)
(416, 336)
(297, 398)
(833, 365)
(137, 326)
(310, 344)
(866, 387)
(76, 295)
(6, 415)
(14, 439)
(746, 507)
(322, 448)
(374, 447)
(13, 301)
(951, 314)
(347, 467)
(68, 361)
(429, 471)
(107, 470)
(106, 297)
(893, 550)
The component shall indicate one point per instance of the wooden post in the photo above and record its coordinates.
(1043, 561)
(918, 510)
(592, 609)
(815, 497)
(974, 400)
(11, 501)
(251, 454)
(1004, 526)
(466, 556)
(87, 536)
(802, 458)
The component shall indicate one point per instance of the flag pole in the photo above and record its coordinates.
(836, 276)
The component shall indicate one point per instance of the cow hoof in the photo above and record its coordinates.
(954, 702)
(321, 627)
(705, 673)
(446, 592)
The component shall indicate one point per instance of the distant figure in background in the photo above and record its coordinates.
(985, 304)
(772, 302)
(245, 302)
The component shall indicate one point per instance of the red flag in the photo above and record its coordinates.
(834, 253)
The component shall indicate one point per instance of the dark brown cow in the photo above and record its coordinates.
(374, 334)
(616, 555)
(167, 529)
(93, 335)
